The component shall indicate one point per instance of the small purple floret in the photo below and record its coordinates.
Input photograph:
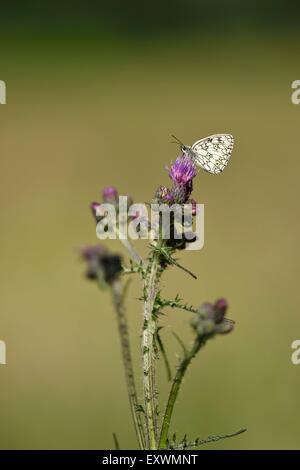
(110, 193)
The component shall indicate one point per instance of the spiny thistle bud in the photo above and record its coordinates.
(164, 195)
(101, 264)
(211, 320)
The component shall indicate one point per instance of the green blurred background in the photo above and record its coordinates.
(94, 91)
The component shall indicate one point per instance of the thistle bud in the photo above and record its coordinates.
(163, 195)
(101, 264)
(210, 319)
(110, 194)
(220, 307)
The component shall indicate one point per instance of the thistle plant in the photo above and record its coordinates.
(108, 270)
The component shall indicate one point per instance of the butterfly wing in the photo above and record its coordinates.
(213, 153)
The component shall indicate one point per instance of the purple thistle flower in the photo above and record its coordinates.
(110, 194)
(183, 170)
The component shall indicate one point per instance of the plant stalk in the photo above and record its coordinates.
(118, 298)
(177, 381)
(128, 245)
(149, 366)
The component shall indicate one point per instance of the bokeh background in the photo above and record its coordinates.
(94, 91)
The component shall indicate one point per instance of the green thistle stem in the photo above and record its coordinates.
(118, 298)
(149, 369)
(176, 384)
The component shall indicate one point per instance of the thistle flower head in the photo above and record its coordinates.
(183, 170)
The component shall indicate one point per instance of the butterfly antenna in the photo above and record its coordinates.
(177, 141)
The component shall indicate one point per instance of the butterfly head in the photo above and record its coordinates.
(184, 148)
